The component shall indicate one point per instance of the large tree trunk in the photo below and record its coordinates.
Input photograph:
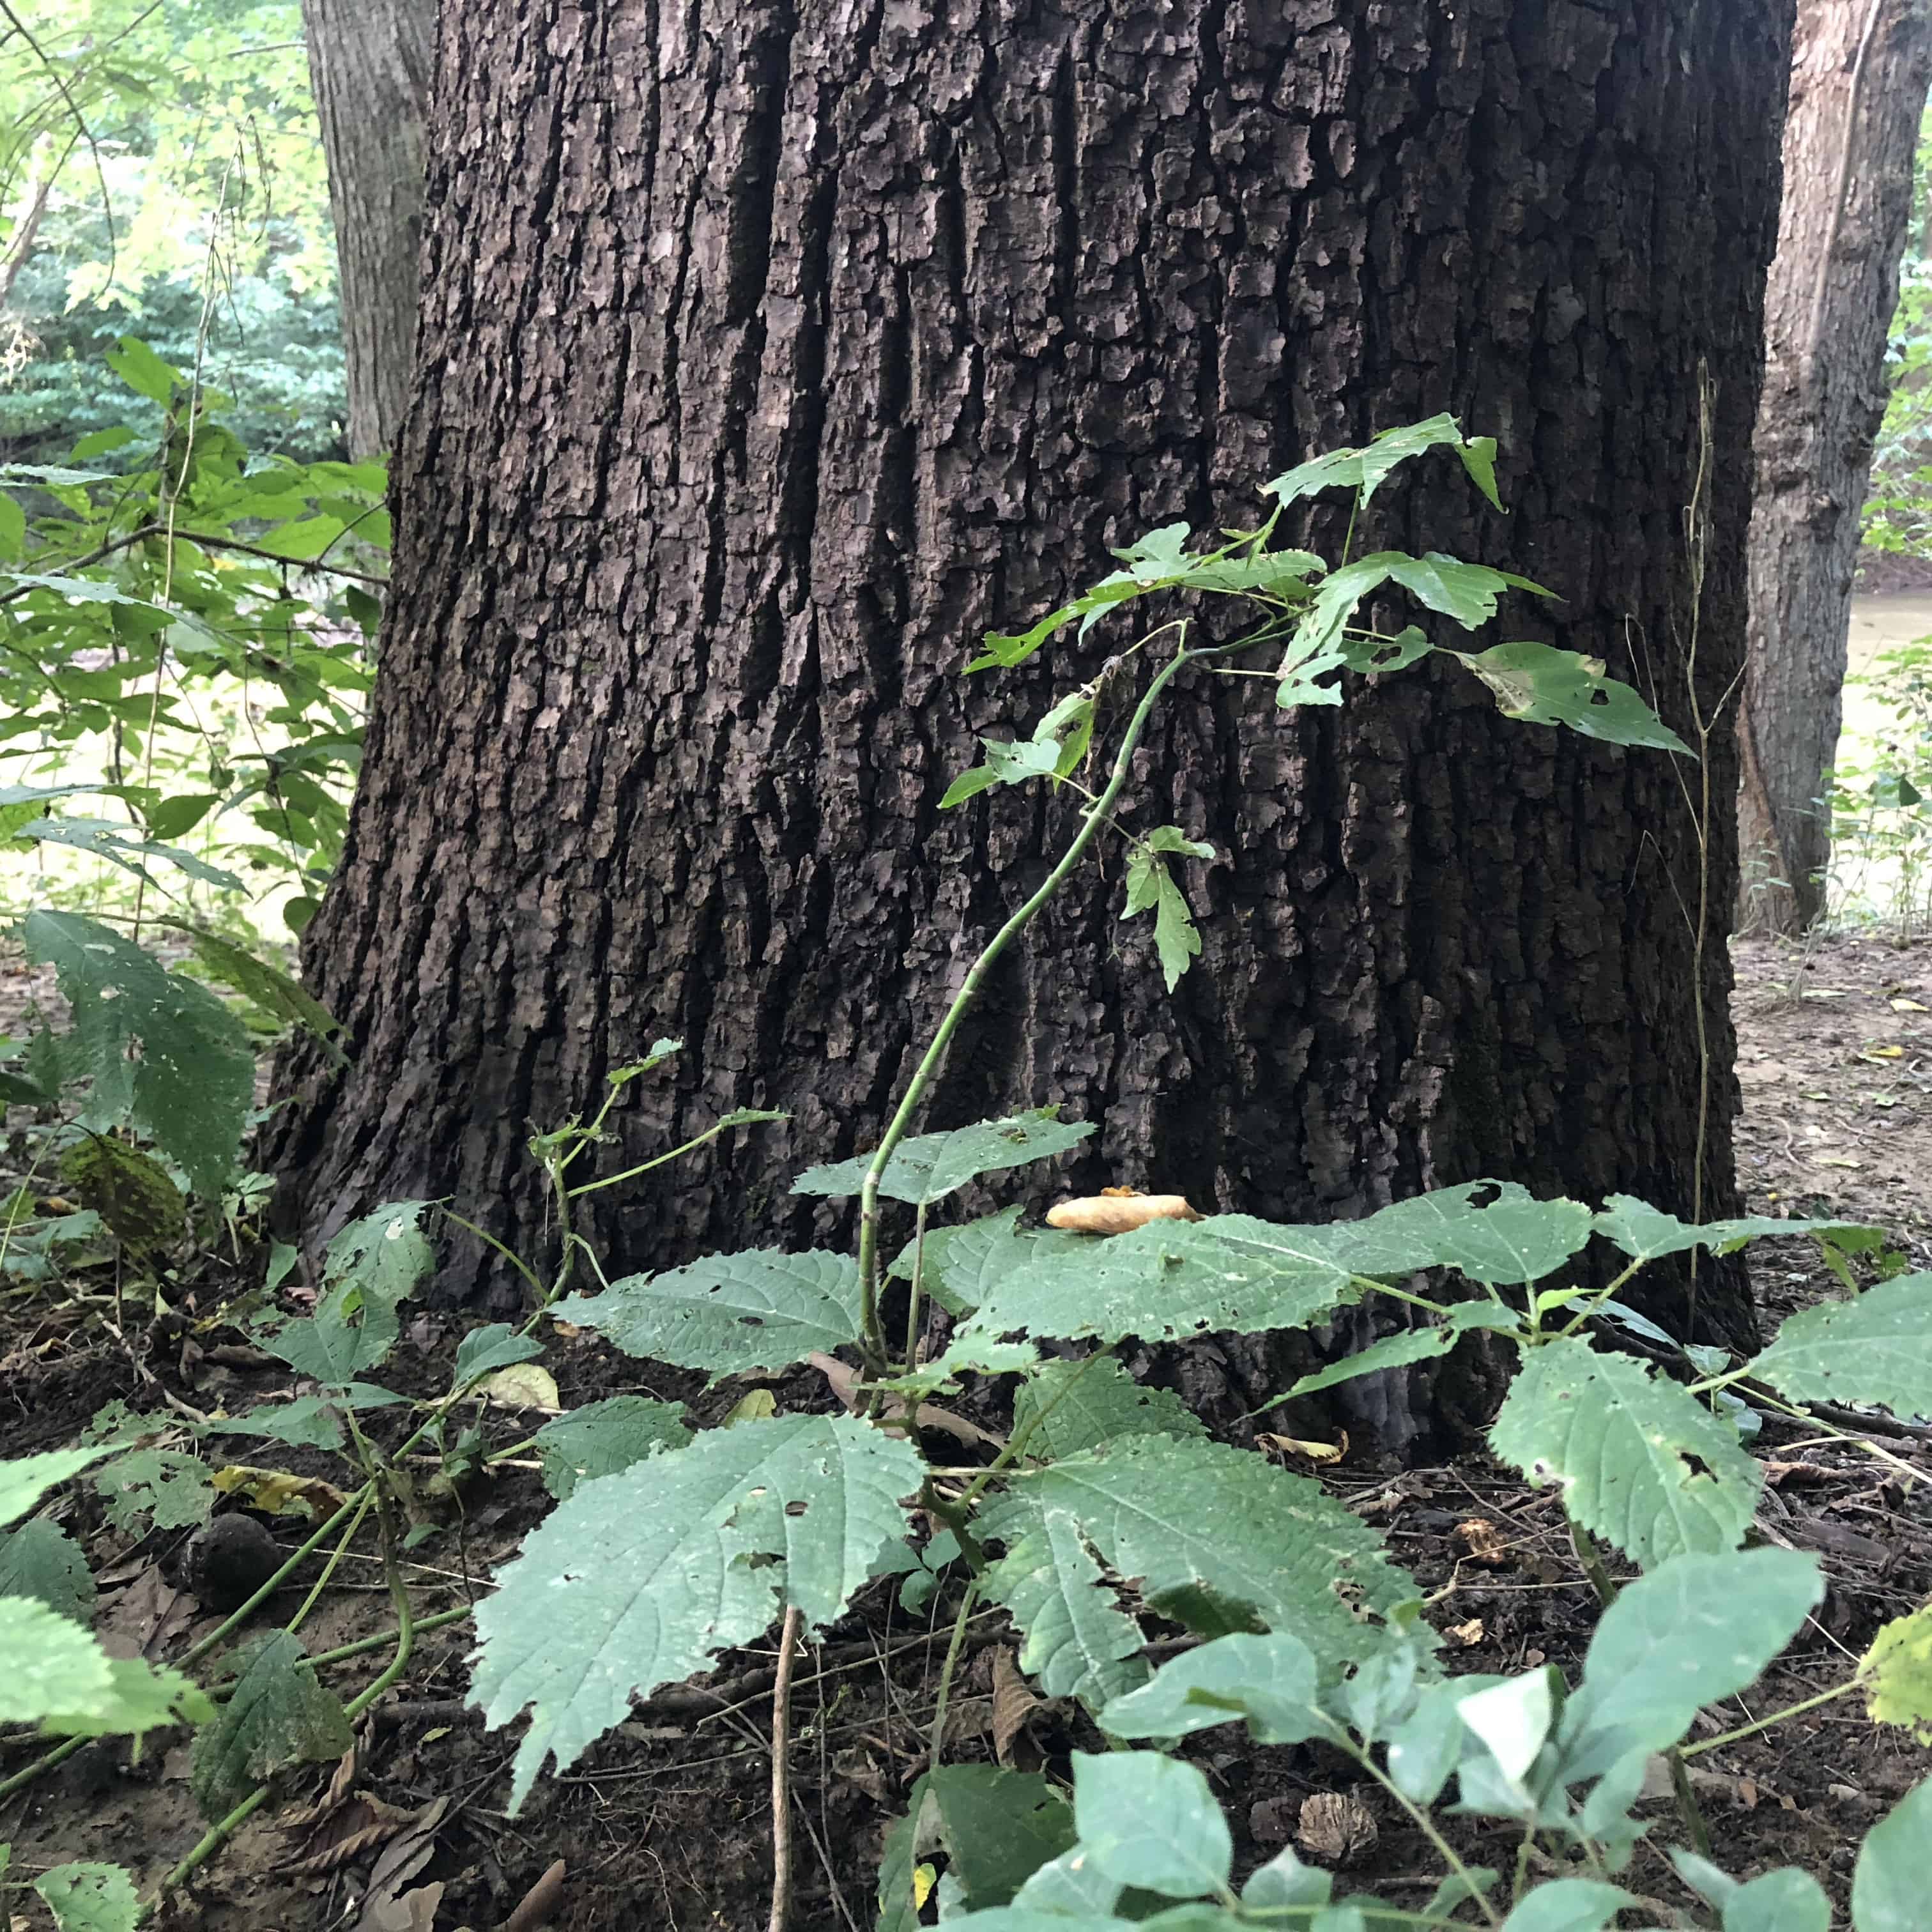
(369, 62)
(1859, 73)
(770, 355)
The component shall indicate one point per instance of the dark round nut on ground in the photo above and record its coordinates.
(229, 1560)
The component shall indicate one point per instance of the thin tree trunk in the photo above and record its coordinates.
(370, 61)
(770, 355)
(1859, 73)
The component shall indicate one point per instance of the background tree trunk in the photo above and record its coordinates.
(370, 61)
(1859, 73)
(770, 355)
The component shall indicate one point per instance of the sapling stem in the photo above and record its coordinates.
(946, 1669)
(1765, 1724)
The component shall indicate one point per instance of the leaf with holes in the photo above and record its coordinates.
(158, 1486)
(1875, 1347)
(372, 1265)
(1074, 1405)
(642, 1577)
(1644, 1233)
(1641, 1462)
(277, 1714)
(929, 1167)
(87, 1897)
(959, 1265)
(602, 1438)
(1540, 685)
(762, 1309)
(160, 1050)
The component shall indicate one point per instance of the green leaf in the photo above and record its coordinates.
(1078, 1641)
(762, 1309)
(1695, 1630)
(1507, 1238)
(483, 1351)
(1405, 1346)
(1877, 1347)
(1155, 1509)
(1540, 685)
(1270, 1681)
(190, 1086)
(277, 1714)
(1479, 458)
(961, 1263)
(24, 1480)
(130, 1191)
(143, 371)
(1641, 1462)
(1366, 469)
(1779, 1901)
(998, 1827)
(1151, 887)
(310, 1421)
(1512, 1719)
(1151, 1821)
(1896, 1671)
(931, 1166)
(1569, 1905)
(162, 1486)
(1170, 1280)
(1285, 1881)
(1888, 1883)
(371, 1266)
(86, 1897)
(1082, 1404)
(41, 1560)
(642, 1577)
(105, 839)
(175, 817)
(602, 1438)
(54, 1674)
(1644, 1232)
(276, 994)
(1424, 1746)
(1070, 1886)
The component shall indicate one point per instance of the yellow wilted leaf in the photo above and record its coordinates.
(1117, 1210)
(1882, 1053)
(1316, 1452)
(1897, 1673)
(278, 1493)
(1910, 1007)
(758, 1405)
(523, 1385)
(924, 1878)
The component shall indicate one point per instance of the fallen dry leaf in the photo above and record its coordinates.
(1482, 1539)
(276, 1492)
(1336, 1827)
(1015, 1707)
(523, 1385)
(1118, 1210)
(540, 1904)
(1466, 1637)
(1312, 1452)
(845, 1383)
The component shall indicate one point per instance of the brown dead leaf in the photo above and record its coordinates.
(1484, 1539)
(540, 1904)
(349, 1831)
(145, 1616)
(408, 1912)
(1336, 1827)
(1015, 1707)
(403, 1857)
(845, 1383)
(277, 1492)
(1118, 1210)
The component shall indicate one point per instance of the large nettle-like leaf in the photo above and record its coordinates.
(602, 1438)
(371, 1266)
(929, 1167)
(761, 1310)
(958, 1266)
(1641, 1462)
(1069, 1406)
(1644, 1233)
(278, 1714)
(41, 1560)
(642, 1577)
(1875, 1347)
(57, 1676)
(159, 1050)
(1158, 1513)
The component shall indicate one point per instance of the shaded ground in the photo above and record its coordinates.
(667, 1823)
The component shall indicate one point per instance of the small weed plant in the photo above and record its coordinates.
(1882, 798)
(1107, 1505)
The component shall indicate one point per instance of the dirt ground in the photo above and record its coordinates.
(667, 1822)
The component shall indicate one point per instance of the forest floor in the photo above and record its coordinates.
(667, 1822)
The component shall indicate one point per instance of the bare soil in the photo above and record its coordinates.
(667, 1822)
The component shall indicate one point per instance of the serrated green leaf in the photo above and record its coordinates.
(1697, 1630)
(962, 1354)
(1644, 1232)
(270, 988)
(1155, 1509)
(371, 1266)
(1779, 1901)
(1896, 1671)
(1538, 684)
(1170, 1280)
(41, 1560)
(1877, 1347)
(1151, 1821)
(87, 1897)
(1270, 1681)
(1889, 1882)
(160, 1486)
(1081, 1405)
(1506, 1238)
(642, 1577)
(24, 1480)
(54, 1674)
(1641, 1462)
(959, 1264)
(130, 1191)
(602, 1438)
(191, 1087)
(310, 1421)
(277, 1714)
(929, 1167)
(1569, 1905)
(762, 1309)
(482, 1351)
(1406, 1346)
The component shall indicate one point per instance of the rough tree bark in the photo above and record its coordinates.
(1859, 73)
(369, 62)
(770, 355)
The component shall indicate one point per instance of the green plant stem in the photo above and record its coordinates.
(406, 1627)
(47, 1761)
(946, 1669)
(510, 1254)
(1422, 1823)
(211, 1841)
(335, 1556)
(710, 1133)
(914, 1308)
(362, 1646)
(900, 1125)
(1752, 1729)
